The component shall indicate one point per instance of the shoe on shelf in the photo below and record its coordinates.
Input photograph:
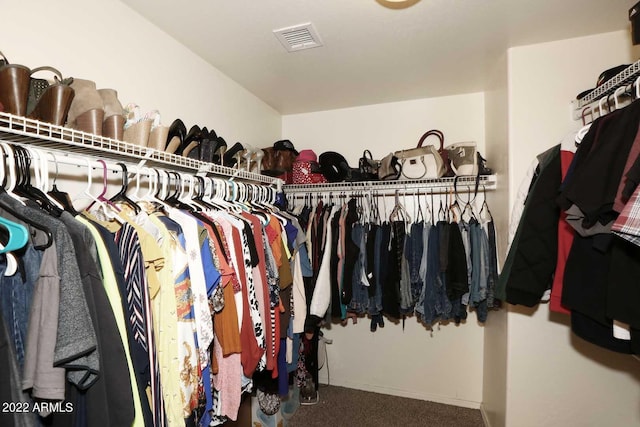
(230, 158)
(191, 141)
(208, 145)
(14, 87)
(113, 123)
(137, 127)
(159, 133)
(50, 102)
(199, 147)
(175, 136)
(86, 112)
(219, 150)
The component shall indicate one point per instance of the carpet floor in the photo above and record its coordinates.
(339, 406)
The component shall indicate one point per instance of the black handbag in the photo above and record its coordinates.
(368, 167)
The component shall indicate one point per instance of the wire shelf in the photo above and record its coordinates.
(21, 130)
(625, 77)
(487, 182)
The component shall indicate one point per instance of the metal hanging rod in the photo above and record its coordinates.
(21, 130)
(488, 182)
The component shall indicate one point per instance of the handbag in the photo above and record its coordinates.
(389, 168)
(464, 159)
(423, 161)
(368, 167)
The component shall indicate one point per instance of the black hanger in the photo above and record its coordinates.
(121, 196)
(24, 187)
(173, 198)
(60, 196)
(29, 221)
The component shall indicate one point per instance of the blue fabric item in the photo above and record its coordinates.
(413, 253)
(432, 277)
(305, 264)
(16, 293)
(480, 270)
(211, 273)
(283, 374)
(292, 234)
(291, 367)
(360, 294)
(379, 266)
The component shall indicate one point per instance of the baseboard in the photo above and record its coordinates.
(485, 417)
(410, 394)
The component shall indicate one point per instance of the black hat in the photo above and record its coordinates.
(334, 166)
(634, 17)
(284, 144)
(603, 78)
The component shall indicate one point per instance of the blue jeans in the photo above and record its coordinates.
(360, 293)
(380, 266)
(16, 293)
(413, 252)
(480, 271)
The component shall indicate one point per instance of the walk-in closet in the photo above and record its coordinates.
(161, 267)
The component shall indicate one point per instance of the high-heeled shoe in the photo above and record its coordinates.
(219, 150)
(175, 137)
(208, 146)
(199, 146)
(191, 141)
(114, 120)
(14, 87)
(86, 112)
(230, 156)
(50, 102)
(137, 127)
(158, 134)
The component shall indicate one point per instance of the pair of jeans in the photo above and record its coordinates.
(414, 248)
(16, 292)
(480, 270)
(381, 260)
(360, 284)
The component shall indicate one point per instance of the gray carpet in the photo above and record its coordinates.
(339, 406)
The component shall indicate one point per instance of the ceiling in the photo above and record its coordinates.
(371, 54)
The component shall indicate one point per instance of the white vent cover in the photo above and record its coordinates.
(298, 37)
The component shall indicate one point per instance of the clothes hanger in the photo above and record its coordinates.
(24, 187)
(102, 204)
(121, 196)
(485, 206)
(618, 92)
(10, 259)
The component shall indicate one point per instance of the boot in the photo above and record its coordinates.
(113, 123)
(14, 87)
(86, 112)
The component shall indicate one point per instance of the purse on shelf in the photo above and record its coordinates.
(423, 161)
(368, 167)
(389, 168)
(464, 158)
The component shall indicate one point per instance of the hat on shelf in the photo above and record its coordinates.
(284, 144)
(603, 78)
(307, 156)
(634, 17)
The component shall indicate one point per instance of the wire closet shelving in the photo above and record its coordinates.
(62, 140)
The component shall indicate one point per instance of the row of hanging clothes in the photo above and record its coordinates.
(435, 259)
(154, 307)
(575, 227)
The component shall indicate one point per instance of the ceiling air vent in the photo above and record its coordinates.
(298, 37)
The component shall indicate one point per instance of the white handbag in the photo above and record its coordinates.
(422, 162)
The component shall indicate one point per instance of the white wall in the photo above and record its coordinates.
(444, 365)
(383, 128)
(553, 378)
(494, 391)
(107, 42)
